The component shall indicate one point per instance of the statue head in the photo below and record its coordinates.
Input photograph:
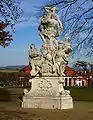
(68, 48)
(53, 9)
(50, 10)
(32, 46)
(60, 44)
(65, 46)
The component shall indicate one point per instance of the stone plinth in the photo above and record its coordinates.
(45, 94)
(61, 102)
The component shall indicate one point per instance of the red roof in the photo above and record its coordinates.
(70, 72)
(26, 70)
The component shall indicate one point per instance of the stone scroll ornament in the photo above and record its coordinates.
(52, 58)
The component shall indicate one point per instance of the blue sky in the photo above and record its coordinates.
(25, 34)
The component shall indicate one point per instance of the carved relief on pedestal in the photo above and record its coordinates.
(44, 88)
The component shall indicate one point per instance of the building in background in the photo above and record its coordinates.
(72, 77)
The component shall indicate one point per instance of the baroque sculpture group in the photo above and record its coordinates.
(53, 55)
(48, 66)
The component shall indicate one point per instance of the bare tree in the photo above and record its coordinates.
(9, 14)
(85, 69)
(77, 19)
(81, 65)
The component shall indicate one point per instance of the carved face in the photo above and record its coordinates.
(50, 10)
(32, 46)
(67, 48)
(68, 51)
(61, 45)
(53, 9)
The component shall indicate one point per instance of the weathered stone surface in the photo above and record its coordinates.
(53, 55)
(45, 93)
(59, 102)
(48, 66)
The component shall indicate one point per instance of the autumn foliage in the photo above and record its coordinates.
(9, 14)
(5, 37)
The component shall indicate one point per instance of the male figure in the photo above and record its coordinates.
(50, 27)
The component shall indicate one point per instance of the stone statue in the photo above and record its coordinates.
(50, 26)
(50, 60)
(53, 56)
(48, 66)
(34, 60)
(61, 56)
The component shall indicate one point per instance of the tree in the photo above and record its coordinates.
(85, 70)
(9, 14)
(81, 65)
(5, 37)
(77, 19)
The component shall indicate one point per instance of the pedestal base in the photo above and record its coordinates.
(60, 102)
(45, 94)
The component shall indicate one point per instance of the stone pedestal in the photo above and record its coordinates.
(45, 94)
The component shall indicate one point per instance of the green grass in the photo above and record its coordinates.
(10, 94)
(77, 93)
(81, 93)
(12, 111)
(10, 108)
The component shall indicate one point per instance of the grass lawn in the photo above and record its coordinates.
(12, 111)
(81, 93)
(10, 107)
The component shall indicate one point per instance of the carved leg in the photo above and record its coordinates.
(62, 69)
(42, 37)
(33, 71)
(56, 68)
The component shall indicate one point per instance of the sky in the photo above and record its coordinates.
(26, 33)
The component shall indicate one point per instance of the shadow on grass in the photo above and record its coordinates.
(13, 115)
(81, 93)
(4, 95)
